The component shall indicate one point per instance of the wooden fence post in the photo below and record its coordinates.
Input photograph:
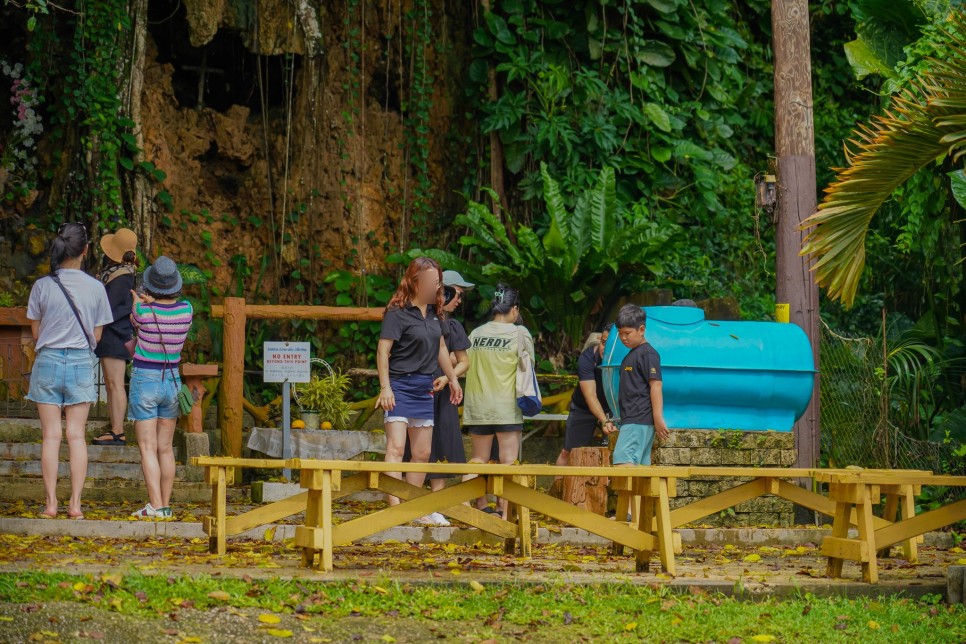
(230, 405)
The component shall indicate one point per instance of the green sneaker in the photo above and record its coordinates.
(165, 513)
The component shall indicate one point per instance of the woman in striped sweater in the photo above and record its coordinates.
(162, 321)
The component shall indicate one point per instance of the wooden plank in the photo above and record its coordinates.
(817, 502)
(664, 538)
(578, 517)
(718, 502)
(14, 316)
(843, 548)
(898, 477)
(645, 523)
(231, 405)
(407, 511)
(840, 530)
(228, 461)
(266, 514)
(217, 543)
(492, 469)
(469, 515)
(327, 482)
(870, 568)
(907, 507)
(921, 524)
(297, 312)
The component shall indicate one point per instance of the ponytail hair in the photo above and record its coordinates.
(70, 242)
(504, 299)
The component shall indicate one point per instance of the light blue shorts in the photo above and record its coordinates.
(634, 444)
(154, 394)
(63, 377)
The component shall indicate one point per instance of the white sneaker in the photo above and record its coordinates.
(439, 519)
(147, 512)
(425, 521)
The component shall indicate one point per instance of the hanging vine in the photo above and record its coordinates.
(418, 41)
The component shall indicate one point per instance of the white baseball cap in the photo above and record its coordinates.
(452, 278)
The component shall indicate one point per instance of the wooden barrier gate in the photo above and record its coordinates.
(236, 313)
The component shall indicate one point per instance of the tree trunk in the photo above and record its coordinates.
(795, 152)
(587, 492)
(138, 193)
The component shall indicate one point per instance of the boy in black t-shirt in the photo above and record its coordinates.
(640, 397)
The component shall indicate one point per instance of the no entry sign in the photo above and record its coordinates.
(286, 362)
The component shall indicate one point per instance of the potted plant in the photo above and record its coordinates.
(321, 400)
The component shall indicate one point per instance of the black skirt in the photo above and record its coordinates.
(447, 437)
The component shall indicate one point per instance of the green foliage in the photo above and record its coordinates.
(671, 95)
(325, 395)
(418, 43)
(580, 262)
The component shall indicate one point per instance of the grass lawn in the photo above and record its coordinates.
(39, 606)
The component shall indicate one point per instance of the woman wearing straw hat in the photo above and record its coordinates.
(118, 275)
(162, 321)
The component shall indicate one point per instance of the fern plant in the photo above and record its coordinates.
(576, 265)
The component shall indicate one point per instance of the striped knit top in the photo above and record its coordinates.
(154, 349)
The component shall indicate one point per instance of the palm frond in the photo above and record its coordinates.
(924, 122)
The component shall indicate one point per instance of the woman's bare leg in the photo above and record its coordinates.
(50, 423)
(166, 464)
(395, 448)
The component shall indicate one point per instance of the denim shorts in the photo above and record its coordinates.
(634, 443)
(63, 377)
(154, 394)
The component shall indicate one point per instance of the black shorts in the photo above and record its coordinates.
(581, 427)
(490, 430)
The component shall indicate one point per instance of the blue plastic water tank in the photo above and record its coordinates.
(722, 375)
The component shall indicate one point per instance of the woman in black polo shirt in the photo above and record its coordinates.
(411, 347)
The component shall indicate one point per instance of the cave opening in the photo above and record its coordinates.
(221, 73)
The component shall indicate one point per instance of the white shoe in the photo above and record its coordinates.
(439, 519)
(147, 512)
(426, 521)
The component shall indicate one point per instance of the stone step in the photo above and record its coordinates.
(14, 488)
(95, 470)
(27, 430)
(95, 453)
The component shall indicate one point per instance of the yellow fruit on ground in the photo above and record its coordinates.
(326, 425)
(298, 424)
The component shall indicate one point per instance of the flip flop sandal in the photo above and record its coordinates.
(115, 439)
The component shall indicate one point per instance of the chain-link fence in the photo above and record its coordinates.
(855, 427)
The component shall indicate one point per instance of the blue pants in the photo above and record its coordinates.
(634, 444)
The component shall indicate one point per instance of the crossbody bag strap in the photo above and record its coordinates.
(73, 307)
(167, 363)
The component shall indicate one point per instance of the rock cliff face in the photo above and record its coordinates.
(288, 132)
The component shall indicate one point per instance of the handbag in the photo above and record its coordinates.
(528, 391)
(73, 308)
(131, 345)
(186, 399)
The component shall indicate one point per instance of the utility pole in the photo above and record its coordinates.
(795, 177)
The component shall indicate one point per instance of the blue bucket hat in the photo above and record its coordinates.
(162, 277)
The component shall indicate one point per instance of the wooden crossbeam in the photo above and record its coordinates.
(468, 515)
(492, 469)
(228, 461)
(407, 511)
(718, 502)
(578, 517)
(920, 524)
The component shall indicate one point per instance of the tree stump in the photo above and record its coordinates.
(587, 492)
